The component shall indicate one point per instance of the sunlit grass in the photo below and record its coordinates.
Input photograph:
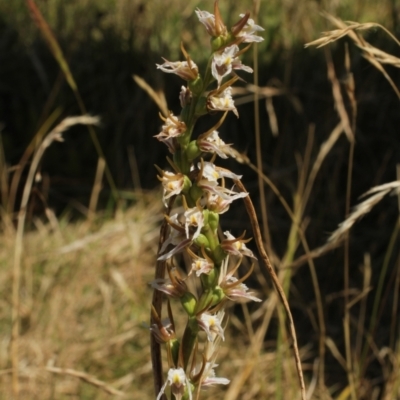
(84, 284)
(82, 303)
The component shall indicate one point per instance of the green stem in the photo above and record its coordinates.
(189, 340)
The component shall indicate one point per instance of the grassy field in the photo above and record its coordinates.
(79, 238)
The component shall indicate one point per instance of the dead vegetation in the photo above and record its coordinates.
(82, 295)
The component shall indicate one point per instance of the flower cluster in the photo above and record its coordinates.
(200, 189)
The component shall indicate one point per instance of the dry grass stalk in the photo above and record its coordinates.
(336, 34)
(378, 193)
(92, 380)
(337, 95)
(259, 241)
(83, 315)
(54, 135)
(375, 56)
(156, 302)
(298, 231)
(94, 197)
(273, 120)
(157, 97)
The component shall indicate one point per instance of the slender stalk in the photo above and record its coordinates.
(346, 322)
(257, 131)
(55, 134)
(155, 348)
(258, 239)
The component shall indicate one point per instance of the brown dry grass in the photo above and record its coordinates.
(83, 299)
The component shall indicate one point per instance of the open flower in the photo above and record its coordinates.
(209, 379)
(212, 173)
(187, 70)
(221, 101)
(176, 237)
(163, 331)
(220, 204)
(178, 381)
(200, 265)
(236, 246)
(213, 22)
(175, 286)
(214, 144)
(223, 63)
(172, 128)
(208, 181)
(181, 234)
(246, 32)
(203, 374)
(211, 325)
(172, 183)
(193, 218)
(233, 288)
(212, 187)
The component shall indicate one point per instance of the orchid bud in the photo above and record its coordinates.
(217, 296)
(209, 280)
(189, 302)
(192, 151)
(202, 241)
(196, 86)
(196, 192)
(217, 43)
(213, 220)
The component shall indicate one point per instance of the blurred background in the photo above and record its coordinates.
(105, 43)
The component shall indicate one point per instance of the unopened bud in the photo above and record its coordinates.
(217, 296)
(192, 151)
(217, 43)
(209, 280)
(196, 86)
(196, 192)
(218, 254)
(213, 220)
(202, 241)
(189, 302)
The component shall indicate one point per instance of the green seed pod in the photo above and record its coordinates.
(189, 302)
(202, 241)
(195, 192)
(187, 184)
(209, 280)
(217, 296)
(205, 300)
(213, 220)
(192, 151)
(196, 86)
(217, 43)
(218, 254)
(186, 395)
